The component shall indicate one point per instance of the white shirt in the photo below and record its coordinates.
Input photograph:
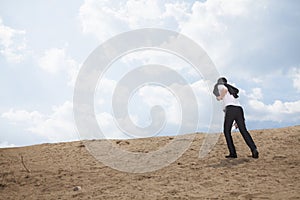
(228, 98)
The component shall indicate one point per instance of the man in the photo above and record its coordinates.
(233, 112)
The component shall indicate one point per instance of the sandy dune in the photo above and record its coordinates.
(54, 170)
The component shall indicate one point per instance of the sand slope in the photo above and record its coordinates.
(55, 169)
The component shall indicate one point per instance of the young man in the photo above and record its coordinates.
(233, 112)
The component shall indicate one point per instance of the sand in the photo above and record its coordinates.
(68, 171)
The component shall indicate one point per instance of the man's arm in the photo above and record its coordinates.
(222, 94)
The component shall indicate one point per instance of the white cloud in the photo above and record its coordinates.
(22, 115)
(56, 127)
(59, 125)
(159, 57)
(104, 91)
(110, 127)
(177, 10)
(146, 98)
(256, 94)
(12, 43)
(138, 15)
(257, 80)
(56, 60)
(156, 95)
(295, 75)
(5, 144)
(170, 99)
(53, 60)
(105, 19)
(277, 112)
(101, 18)
(219, 27)
(214, 24)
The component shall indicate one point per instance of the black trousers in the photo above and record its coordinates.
(236, 113)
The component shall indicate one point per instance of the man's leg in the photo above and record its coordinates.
(246, 135)
(229, 118)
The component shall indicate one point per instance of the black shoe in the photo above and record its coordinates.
(255, 153)
(231, 156)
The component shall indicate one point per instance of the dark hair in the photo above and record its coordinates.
(222, 80)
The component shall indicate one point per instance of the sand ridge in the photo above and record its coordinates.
(55, 170)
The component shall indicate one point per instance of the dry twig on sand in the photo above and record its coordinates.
(22, 160)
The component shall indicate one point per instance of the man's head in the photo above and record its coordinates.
(222, 80)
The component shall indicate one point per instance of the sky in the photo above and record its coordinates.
(43, 45)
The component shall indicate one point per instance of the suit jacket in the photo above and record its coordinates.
(231, 89)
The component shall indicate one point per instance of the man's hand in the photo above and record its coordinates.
(222, 94)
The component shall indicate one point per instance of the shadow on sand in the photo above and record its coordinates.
(230, 162)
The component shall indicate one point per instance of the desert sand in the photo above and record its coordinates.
(68, 171)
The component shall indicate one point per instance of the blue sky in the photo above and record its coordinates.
(43, 44)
